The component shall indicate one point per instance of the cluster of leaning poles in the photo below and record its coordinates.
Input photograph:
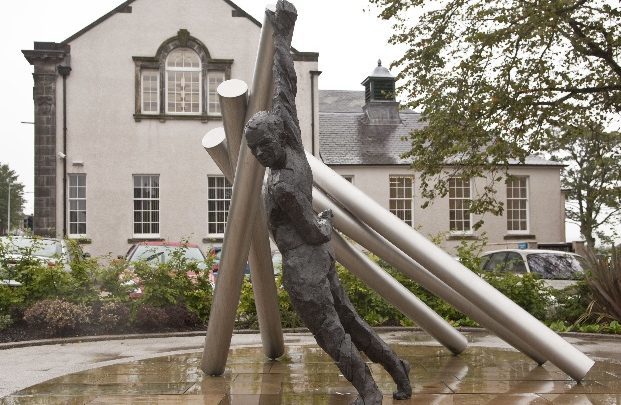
(363, 220)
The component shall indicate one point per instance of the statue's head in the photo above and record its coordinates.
(264, 137)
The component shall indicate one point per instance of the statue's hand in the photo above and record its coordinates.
(326, 214)
(325, 227)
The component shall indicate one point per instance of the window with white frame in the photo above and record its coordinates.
(517, 204)
(213, 81)
(401, 197)
(77, 204)
(150, 92)
(183, 82)
(459, 205)
(219, 192)
(146, 205)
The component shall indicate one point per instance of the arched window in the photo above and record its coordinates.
(183, 82)
(179, 82)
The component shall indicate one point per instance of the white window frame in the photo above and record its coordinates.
(144, 73)
(212, 92)
(462, 210)
(199, 70)
(142, 211)
(392, 179)
(76, 198)
(223, 199)
(527, 209)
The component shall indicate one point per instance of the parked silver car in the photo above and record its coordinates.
(44, 250)
(557, 269)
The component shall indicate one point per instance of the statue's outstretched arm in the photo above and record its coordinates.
(312, 229)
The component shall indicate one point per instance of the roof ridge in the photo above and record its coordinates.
(125, 4)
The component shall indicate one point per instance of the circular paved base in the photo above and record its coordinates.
(306, 375)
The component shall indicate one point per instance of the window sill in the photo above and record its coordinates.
(145, 239)
(80, 240)
(177, 117)
(519, 236)
(462, 237)
(213, 239)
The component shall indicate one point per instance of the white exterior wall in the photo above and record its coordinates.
(103, 134)
(546, 218)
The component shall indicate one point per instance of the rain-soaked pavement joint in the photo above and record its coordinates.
(486, 372)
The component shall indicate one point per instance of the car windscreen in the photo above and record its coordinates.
(163, 254)
(34, 247)
(555, 266)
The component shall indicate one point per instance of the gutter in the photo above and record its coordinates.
(64, 72)
(313, 74)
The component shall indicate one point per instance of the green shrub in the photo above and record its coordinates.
(58, 317)
(5, 321)
(614, 327)
(288, 316)
(113, 316)
(149, 318)
(369, 305)
(571, 303)
(247, 317)
(604, 280)
(526, 290)
(169, 284)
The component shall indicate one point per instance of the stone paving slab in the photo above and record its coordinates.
(166, 371)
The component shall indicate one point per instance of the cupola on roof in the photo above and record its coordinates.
(381, 71)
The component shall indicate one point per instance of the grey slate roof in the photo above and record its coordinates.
(345, 139)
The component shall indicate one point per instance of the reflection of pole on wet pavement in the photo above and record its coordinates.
(242, 212)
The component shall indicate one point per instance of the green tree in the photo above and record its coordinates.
(592, 177)
(495, 80)
(8, 176)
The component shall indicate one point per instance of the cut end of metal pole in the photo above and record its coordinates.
(213, 138)
(232, 88)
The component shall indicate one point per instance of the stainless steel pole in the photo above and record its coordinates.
(367, 237)
(233, 101)
(535, 334)
(399, 296)
(242, 211)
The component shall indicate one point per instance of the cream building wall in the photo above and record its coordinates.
(545, 202)
(111, 146)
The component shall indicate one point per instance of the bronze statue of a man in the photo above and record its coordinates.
(303, 238)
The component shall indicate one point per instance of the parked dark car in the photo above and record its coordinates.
(558, 269)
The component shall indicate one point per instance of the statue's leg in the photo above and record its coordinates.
(368, 341)
(311, 297)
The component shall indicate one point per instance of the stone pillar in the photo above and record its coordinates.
(45, 58)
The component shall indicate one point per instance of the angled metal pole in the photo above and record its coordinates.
(472, 287)
(242, 211)
(260, 258)
(399, 296)
(374, 242)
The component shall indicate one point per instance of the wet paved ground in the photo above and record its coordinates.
(487, 372)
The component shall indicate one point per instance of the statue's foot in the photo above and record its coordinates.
(404, 389)
(374, 398)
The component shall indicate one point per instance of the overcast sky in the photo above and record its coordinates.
(346, 33)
